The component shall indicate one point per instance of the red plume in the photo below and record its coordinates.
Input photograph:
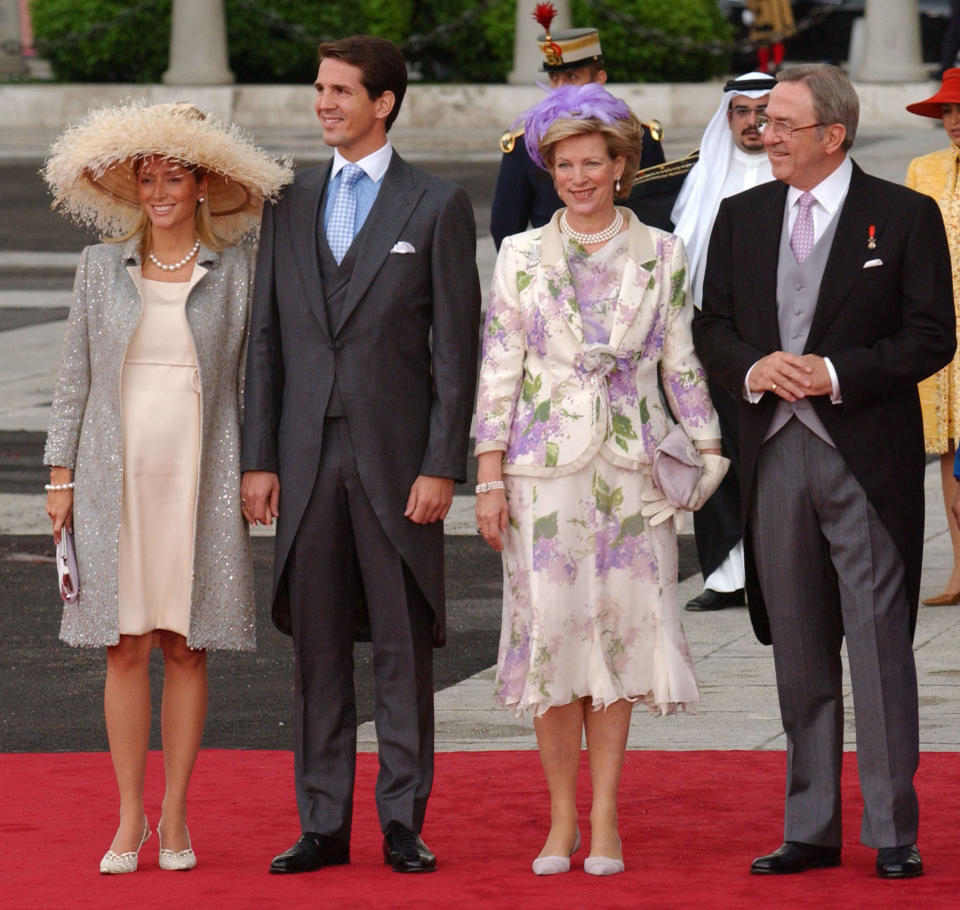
(544, 14)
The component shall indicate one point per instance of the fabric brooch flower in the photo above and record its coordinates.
(602, 360)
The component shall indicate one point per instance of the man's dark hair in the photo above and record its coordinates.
(380, 62)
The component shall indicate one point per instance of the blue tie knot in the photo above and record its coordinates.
(350, 174)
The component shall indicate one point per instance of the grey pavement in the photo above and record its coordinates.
(738, 708)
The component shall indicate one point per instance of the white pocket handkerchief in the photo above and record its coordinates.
(872, 263)
(401, 246)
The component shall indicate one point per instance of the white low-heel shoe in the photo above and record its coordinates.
(122, 863)
(555, 865)
(176, 860)
(602, 865)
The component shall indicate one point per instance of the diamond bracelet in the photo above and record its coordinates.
(489, 485)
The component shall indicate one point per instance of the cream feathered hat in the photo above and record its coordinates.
(91, 168)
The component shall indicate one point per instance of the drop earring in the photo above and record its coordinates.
(616, 186)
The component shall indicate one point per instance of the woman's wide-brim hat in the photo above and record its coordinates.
(91, 170)
(949, 94)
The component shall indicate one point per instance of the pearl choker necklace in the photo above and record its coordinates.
(177, 265)
(600, 237)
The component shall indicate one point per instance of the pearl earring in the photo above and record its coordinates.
(616, 186)
(201, 199)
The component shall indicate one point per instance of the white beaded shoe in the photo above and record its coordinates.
(602, 865)
(122, 863)
(555, 865)
(176, 860)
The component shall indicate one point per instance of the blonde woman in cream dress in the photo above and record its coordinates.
(143, 444)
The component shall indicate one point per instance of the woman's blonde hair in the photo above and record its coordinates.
(202, 221)
(624, 136)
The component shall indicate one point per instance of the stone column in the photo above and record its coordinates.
(891, 43)
(11, 53)
(526, 54)
(198, 44)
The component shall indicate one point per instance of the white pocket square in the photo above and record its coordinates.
(872, 263)
(401, 246)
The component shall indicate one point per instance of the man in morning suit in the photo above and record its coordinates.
(827, 297)
(359, 392)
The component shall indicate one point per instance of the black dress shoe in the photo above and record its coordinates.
(405, 850)
(899, 862)
(717, 600)
(794, 856)
(312, 851)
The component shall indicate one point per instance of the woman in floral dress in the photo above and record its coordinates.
(583, 313)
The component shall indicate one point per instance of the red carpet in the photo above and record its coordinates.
(691, 822)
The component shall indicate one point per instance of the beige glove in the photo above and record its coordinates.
(659, 508)
(715, 468)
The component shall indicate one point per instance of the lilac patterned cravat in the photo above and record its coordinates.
(801, 239)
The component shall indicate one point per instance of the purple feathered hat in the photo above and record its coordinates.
(570, 102)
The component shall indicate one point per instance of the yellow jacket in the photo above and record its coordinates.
(928, 174)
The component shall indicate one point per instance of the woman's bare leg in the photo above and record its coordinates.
(559, 734)
(126, 707)
(949, 486)
(182, 716)
(607, 732)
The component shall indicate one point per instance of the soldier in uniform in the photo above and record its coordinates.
(769, 21)
(524, 195)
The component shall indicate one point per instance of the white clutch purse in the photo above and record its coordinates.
(67, 567)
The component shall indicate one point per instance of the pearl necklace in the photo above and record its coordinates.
(177, 265)
(600, 237)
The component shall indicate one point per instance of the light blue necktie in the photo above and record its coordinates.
(343, 213)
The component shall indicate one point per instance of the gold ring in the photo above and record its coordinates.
(773, 388)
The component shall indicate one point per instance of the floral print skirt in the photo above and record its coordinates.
(590, 601)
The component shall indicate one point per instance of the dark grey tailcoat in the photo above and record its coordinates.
(404, 355)
(884, 329)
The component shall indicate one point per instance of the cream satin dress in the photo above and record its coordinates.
(160, 399)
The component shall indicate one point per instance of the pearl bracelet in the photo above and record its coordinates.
(58, 487)
(489, 485)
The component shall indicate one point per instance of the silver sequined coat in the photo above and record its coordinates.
(85, 435)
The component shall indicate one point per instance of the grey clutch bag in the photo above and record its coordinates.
(676, 467)
(67, 568)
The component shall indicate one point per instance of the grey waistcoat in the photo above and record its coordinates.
(335, 280)
(798, 287)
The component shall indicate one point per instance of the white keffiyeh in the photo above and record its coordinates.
(699, 198)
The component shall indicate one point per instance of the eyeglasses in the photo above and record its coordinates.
(780, 128)
(741, 110)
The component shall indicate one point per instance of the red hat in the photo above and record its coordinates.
(949, 94)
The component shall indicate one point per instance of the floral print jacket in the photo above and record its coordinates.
(552, 402)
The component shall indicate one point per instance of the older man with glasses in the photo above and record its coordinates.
(827, 297)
